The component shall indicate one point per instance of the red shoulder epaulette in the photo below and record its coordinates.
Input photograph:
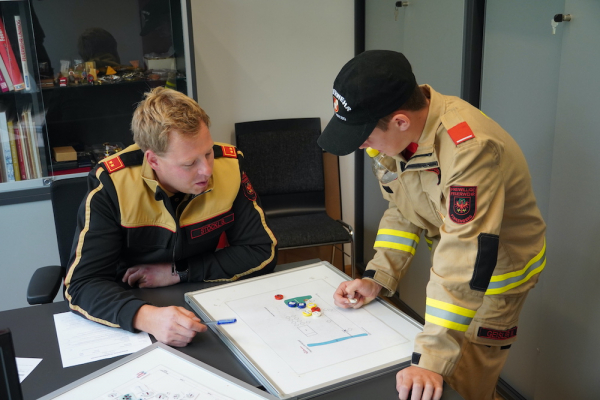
(460, 133)
(225, 151)
(114, 164)
(229, 151)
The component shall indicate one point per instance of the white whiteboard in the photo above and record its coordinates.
(294, 355)
(158, 372)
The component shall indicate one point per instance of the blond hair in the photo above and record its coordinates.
(161, 112)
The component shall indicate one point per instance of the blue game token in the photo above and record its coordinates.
(301, 305)
(292, 304)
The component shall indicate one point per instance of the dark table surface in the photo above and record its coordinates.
(34, 336)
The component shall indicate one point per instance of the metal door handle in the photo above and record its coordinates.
(558, 17)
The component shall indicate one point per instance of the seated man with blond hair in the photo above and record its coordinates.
(174, 207)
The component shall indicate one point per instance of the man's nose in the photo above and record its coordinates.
(204, 168)
(364, 145)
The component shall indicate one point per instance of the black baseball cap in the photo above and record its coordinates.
(369, 87)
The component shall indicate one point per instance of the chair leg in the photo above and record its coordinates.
(333, 255)
(352, 260)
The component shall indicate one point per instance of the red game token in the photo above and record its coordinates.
(278, 297)
(315, 309)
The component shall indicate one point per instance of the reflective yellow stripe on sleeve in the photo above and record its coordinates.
(448, 315)
(397, 240)
(502, 283)
(429, 243)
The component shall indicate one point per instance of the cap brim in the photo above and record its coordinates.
(341, 138)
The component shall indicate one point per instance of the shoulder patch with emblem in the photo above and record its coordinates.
(248, 189)
(462, 204)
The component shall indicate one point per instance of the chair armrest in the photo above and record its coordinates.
(44, 284)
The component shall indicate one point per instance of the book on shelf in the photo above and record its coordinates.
(5, 76)
(76, 170)
(22, 50)
(8, 172)
(13, 149)
(10, 61)
(32, 133)
(21, 151)
(3, 83)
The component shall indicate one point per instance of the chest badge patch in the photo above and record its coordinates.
(463, 203)
(248, 188)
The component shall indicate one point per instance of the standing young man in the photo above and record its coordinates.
(464, 183)
(174, 207)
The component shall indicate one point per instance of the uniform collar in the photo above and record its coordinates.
(433, 121)
(425, 157)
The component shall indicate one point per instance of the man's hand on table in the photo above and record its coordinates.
(361, 290)
(425, 384)
(150, 275)
(172, 325)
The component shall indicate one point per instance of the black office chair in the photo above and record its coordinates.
(66, 196)
(285, 165)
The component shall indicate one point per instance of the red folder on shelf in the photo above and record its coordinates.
(11, 63)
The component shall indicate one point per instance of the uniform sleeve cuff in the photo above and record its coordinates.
(432, 363)
(388, 283)
(127, 313)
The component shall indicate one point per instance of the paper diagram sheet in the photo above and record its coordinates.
(159, 372)
(161, 382)
(298, 354)
(82, 341)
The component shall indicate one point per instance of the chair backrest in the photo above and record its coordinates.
(284, 164)
(66, 196)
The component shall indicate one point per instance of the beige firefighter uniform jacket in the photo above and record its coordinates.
(468, 188)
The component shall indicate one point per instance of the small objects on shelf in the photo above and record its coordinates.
(101, 151)
(110, 79)
(64, 153)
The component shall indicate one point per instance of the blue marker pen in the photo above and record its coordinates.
(220, 322)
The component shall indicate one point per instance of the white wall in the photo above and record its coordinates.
(271, 59)
(519, 91)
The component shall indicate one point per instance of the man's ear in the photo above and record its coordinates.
(152, 159)
(400, 121)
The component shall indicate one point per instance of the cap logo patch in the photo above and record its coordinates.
(114, 164)
(336, 105)
(229, 151)
(341, 99)
(463, 203)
